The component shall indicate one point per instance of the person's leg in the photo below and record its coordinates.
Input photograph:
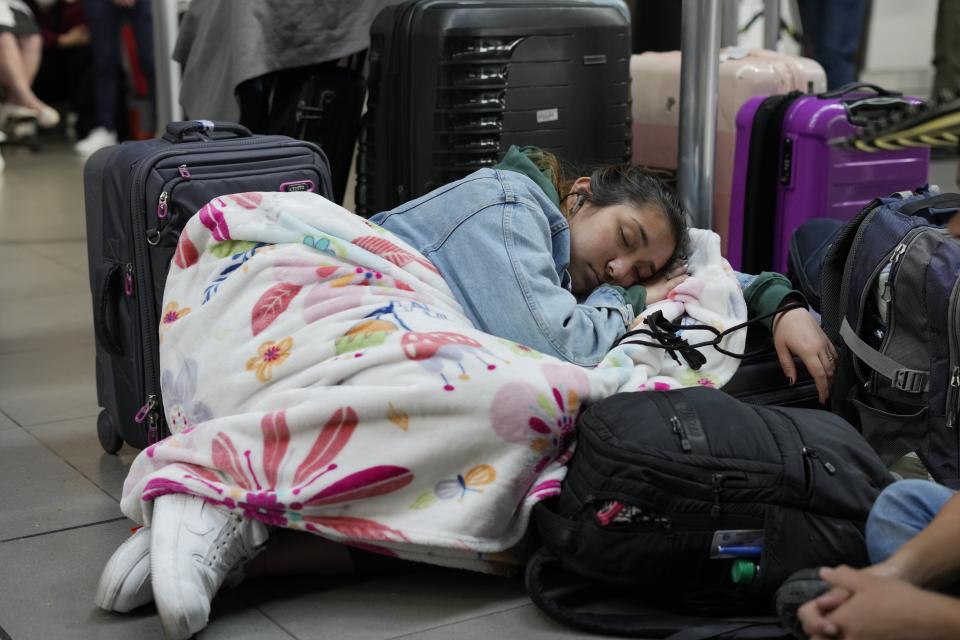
(809, 26)
(839, 40)
(902, 511)
(104, 22)
(946, 50)
(12, 75)
(142, 22)
(31, 50)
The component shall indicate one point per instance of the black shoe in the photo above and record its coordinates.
(798, 589)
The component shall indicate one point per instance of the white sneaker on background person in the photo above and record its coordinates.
(194, 545)
(97, 139)
(46, 116)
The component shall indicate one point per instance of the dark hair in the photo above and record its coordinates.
(626, 184)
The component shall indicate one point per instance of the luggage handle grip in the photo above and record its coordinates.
(105, 322)
(203, 129)
(850, 87)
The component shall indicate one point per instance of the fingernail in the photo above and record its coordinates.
(825, 571)
(791, 380)
(830, 629)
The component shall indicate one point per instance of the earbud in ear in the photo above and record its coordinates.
(578, 203)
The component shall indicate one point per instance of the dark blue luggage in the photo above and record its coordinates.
(138, 197)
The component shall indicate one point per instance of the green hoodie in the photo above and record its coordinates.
(764, 295)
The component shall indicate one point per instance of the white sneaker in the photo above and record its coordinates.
(193, 546)
(95, 140)
(125, 582)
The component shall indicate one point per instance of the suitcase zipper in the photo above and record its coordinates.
(166, 199)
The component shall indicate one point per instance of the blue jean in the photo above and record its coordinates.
(831, 36)
(903, 510)
(104, 20)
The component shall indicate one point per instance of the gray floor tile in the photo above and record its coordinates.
(42, 493)
(6, 423)
(24, 274)
(57, 321)
(46, 386)
(75, 441)
(525, 620)
(382, 607)
(57, 576)
(71, 254)
(42, 196)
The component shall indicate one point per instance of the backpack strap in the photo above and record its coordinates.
(652, 623)
(902, 378)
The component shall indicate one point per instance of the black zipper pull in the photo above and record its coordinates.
(953, 396)
(813, 454)
(681, 434)
(717, 479)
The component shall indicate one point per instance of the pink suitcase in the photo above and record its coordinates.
(655, 89)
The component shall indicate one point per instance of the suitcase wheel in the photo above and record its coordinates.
(110, 440)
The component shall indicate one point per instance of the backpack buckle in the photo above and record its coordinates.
(910, 380)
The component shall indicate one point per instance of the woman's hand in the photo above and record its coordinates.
(796, 333)
(660, 285)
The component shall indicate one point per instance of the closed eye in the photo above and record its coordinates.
(623, 238)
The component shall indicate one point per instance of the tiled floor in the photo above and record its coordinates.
(59, 513)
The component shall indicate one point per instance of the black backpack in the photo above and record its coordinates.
(670, 493)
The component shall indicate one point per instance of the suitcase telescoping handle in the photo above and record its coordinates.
(194, 130)
(852, 87)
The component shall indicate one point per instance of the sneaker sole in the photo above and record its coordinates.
(800, 588)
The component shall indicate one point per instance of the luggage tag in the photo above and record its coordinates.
(737, 543)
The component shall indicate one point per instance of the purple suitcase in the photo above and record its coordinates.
(811, 178)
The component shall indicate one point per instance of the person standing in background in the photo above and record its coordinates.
(105, 17)
(832, 31)
(946, 48)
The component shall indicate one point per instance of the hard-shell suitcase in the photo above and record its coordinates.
(743, 74)
(138, 197)
(785, 165)
(453, 84)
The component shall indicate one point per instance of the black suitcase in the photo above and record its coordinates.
(138, 197)
(759, 378)
(452, 85)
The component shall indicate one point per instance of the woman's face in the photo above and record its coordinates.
(618, 244)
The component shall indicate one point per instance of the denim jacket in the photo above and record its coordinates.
(503, 247)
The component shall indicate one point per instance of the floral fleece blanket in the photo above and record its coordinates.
(318, 374)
